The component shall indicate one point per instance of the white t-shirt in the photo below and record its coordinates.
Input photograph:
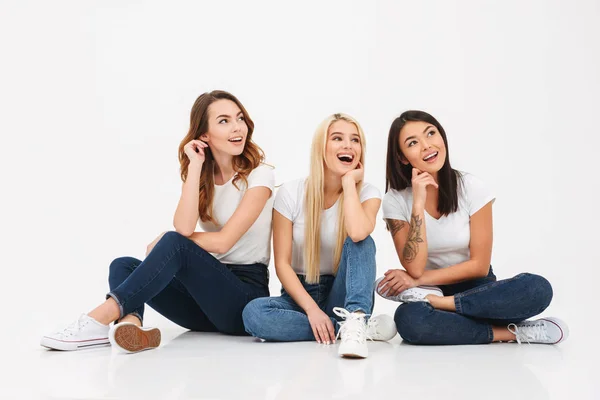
(255, 245)
(448, 237)
(289, 202)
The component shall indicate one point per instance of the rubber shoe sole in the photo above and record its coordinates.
(64, 345)
(131, 338)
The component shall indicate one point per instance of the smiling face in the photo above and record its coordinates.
(422, 146)
(227, 129)
(343, 149)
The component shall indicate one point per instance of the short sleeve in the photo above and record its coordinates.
(477, 193)
(369, 191)
(262, 175)
(284, 202)
(394, 206)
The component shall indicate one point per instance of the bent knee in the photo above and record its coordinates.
(172, 236)
(410, 321)
(539, 289)
(122, 263)
(252, 316)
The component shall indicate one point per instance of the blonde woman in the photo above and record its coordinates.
(324, 256)
(199, 280)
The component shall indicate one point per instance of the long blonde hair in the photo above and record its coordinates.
(314, 202)
(243, 164)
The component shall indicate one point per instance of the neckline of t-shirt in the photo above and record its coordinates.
(338, 199)
(230, 179)
(334, 204)
(434, 218)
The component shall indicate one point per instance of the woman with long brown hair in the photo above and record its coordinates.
(199, 280)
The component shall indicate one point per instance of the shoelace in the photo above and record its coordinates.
(528, 332)
(73, 327)
(354, 327)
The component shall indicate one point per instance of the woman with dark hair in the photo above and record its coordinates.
(199, 280)
(440, 220)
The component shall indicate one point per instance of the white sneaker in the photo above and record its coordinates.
(418, 293)
(130, 338)
(353, 332)
(543, 330)
(381, 327)
(84, 333)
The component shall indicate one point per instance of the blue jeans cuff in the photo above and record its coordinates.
(490, 334)
(116, 299)
(457, 303)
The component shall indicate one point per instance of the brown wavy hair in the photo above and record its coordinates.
(243, 164)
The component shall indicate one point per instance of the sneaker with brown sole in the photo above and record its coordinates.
(131, 338)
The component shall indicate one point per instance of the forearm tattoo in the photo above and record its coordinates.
(394, 225)
(411, 248)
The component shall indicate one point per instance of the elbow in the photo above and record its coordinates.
(184, 232)
(357, 235)
(223, 248)
(415, 272)
(222, 244)
(182, 229)
(482, 270)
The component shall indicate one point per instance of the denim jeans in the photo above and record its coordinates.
(281, 319)
(187, 285)
(480, 304)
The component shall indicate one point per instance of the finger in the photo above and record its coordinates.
(385, 280)
(321, 329)
(431, 182)
(316, 333)
(389, 271)
(325, 334)
(385, 284)
(390, 286)
(200, 143)
(397, 288)
(415, 173)
(381, 286)
(331, 330)
(422, 176)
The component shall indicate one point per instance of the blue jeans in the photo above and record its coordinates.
(187, 285)
(480, 304)
(281, 319)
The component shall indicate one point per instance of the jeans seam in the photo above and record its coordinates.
(170, 257)
(487, 286)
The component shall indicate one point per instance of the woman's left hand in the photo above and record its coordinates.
(356, 174)
(396, 281)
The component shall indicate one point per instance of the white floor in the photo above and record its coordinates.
(212, 366)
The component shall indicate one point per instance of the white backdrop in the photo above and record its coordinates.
(95, 98)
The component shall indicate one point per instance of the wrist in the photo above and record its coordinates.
(418, 207)
(311, 308)
(196, 165)
(348, 180)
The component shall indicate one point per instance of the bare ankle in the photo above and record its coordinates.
(132, 319)
(107, 312)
